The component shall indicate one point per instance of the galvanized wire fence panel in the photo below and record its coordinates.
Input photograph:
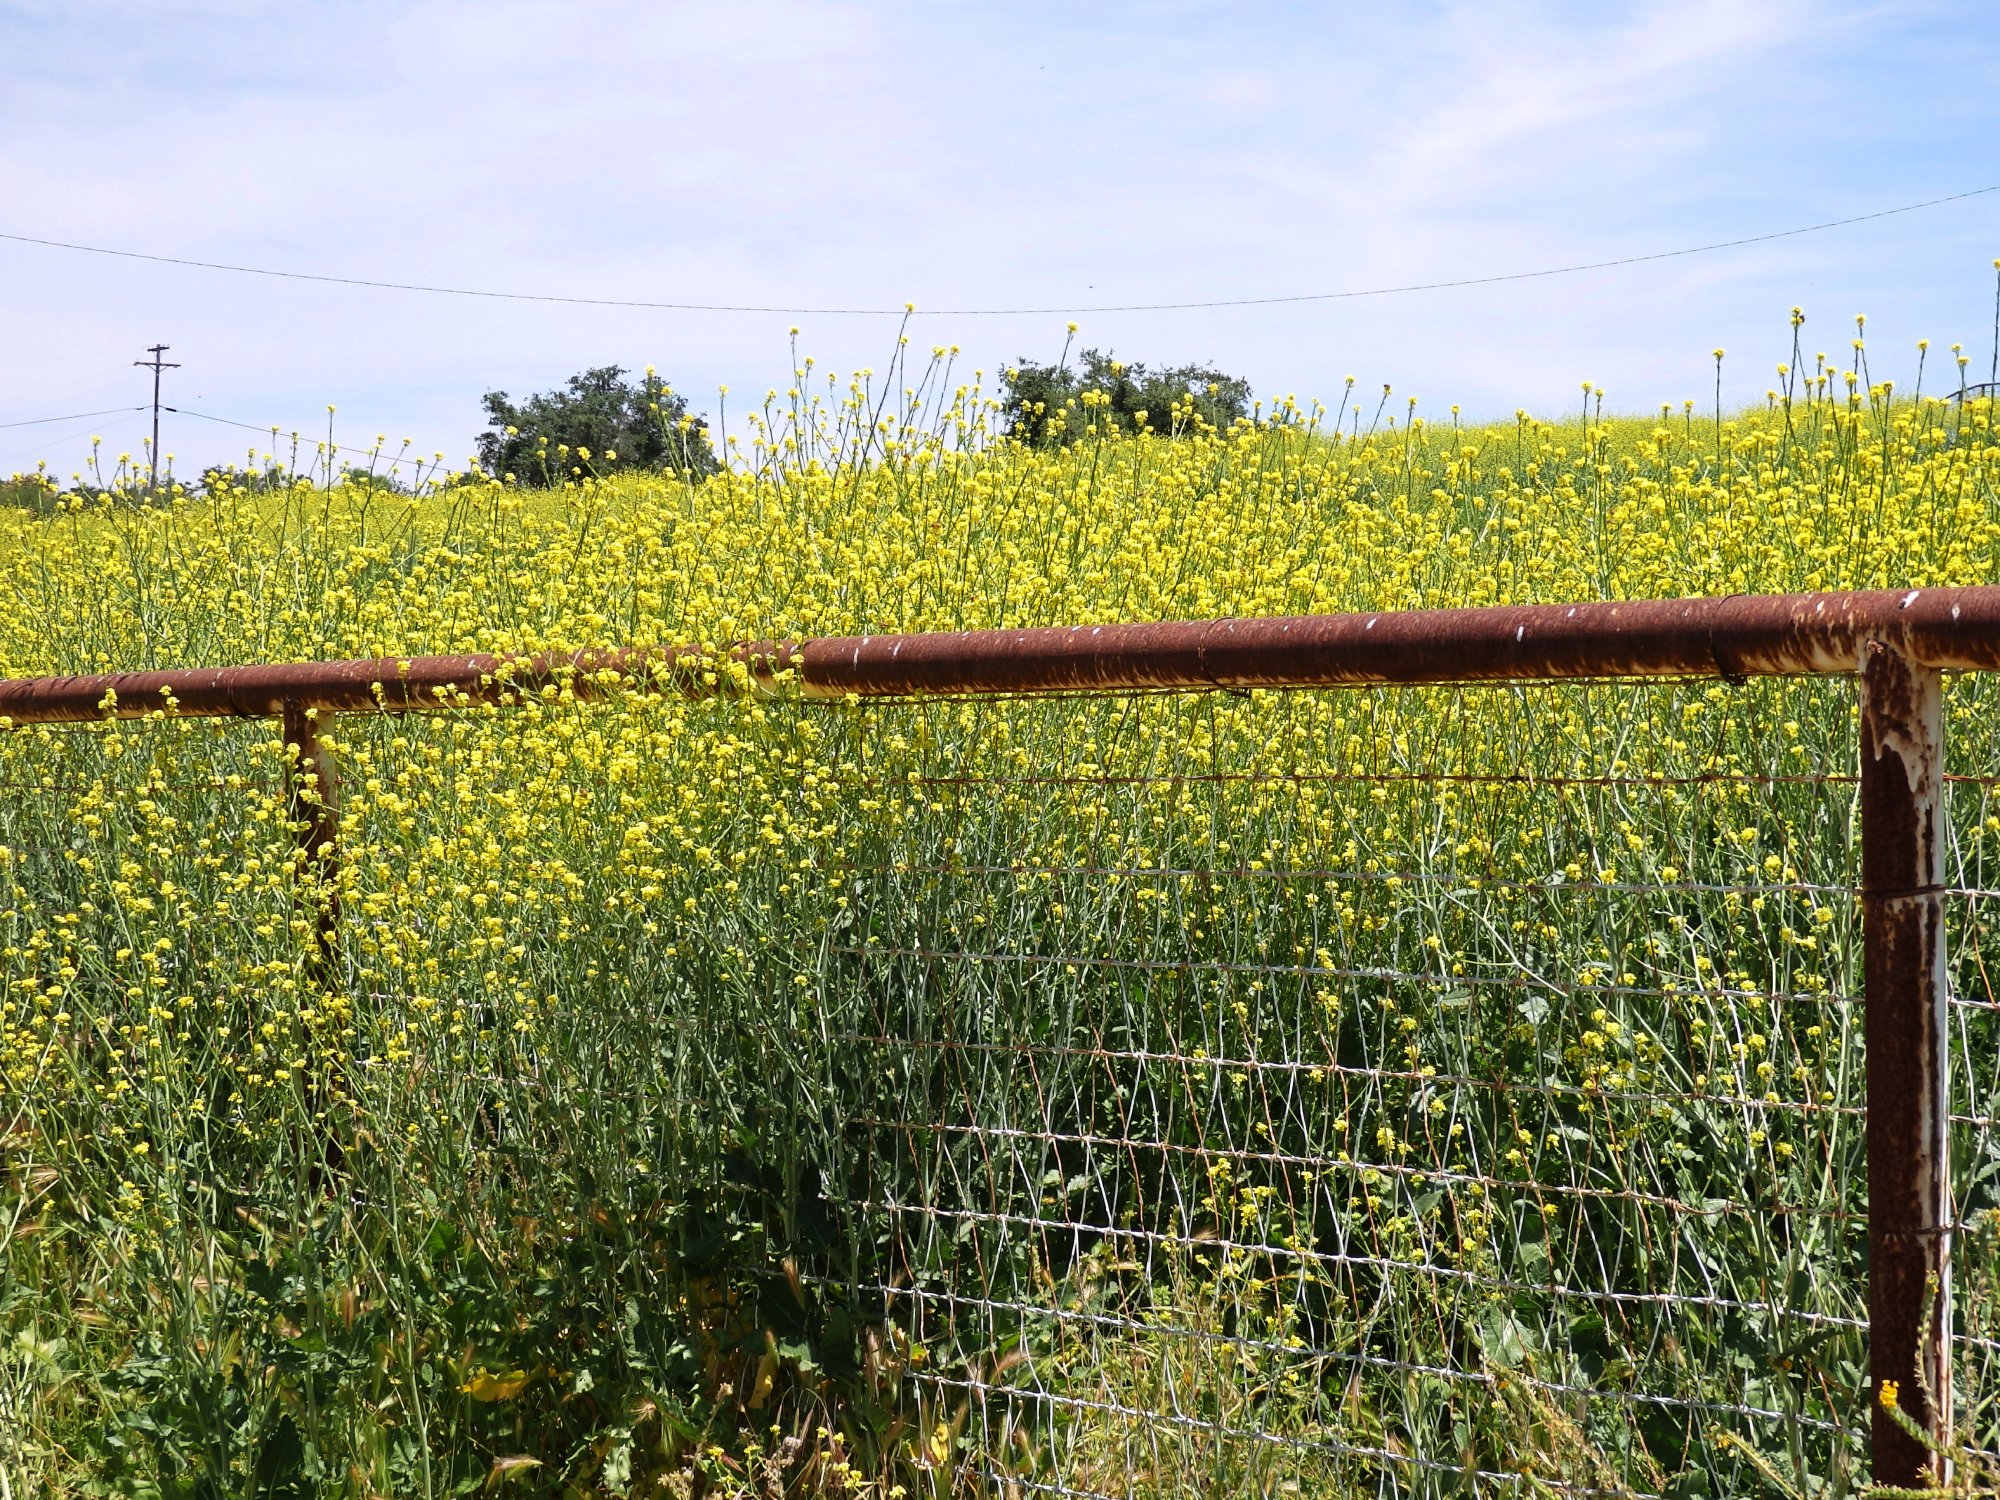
(1972, 749)
(1366, 1092)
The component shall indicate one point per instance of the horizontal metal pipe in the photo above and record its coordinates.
(1955, 629)
(1746, 635)
(391, 684)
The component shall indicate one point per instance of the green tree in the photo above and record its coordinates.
(222, 478)
(374, 476)
(1124, 396)
(594, 416)
(31, 492)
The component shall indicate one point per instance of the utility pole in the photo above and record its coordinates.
(155, 364)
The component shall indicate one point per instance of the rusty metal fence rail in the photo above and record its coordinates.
(1147, 1201)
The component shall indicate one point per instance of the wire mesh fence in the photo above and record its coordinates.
(1366, 1093)
(1355, 1092)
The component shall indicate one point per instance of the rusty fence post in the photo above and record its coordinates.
(1903, 958)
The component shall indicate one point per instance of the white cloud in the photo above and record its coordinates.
(1533, 96)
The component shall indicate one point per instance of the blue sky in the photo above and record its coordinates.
(798, 153)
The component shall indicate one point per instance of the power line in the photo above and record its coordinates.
(46, 441)
(1007, 312)
(73, 417)
(273, 430)
(89, 387)
(269, 430)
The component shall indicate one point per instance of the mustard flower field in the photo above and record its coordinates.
(1401, 1092)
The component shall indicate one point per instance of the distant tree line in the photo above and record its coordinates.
(597, 423)
(600, 422)
(1054, 404)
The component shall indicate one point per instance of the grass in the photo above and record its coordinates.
(1167, 1095)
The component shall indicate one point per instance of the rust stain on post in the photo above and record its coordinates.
(1903, 942)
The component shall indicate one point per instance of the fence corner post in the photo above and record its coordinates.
(1905, 995)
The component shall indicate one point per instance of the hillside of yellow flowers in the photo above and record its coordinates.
(831, 524)
(1334, 1093)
